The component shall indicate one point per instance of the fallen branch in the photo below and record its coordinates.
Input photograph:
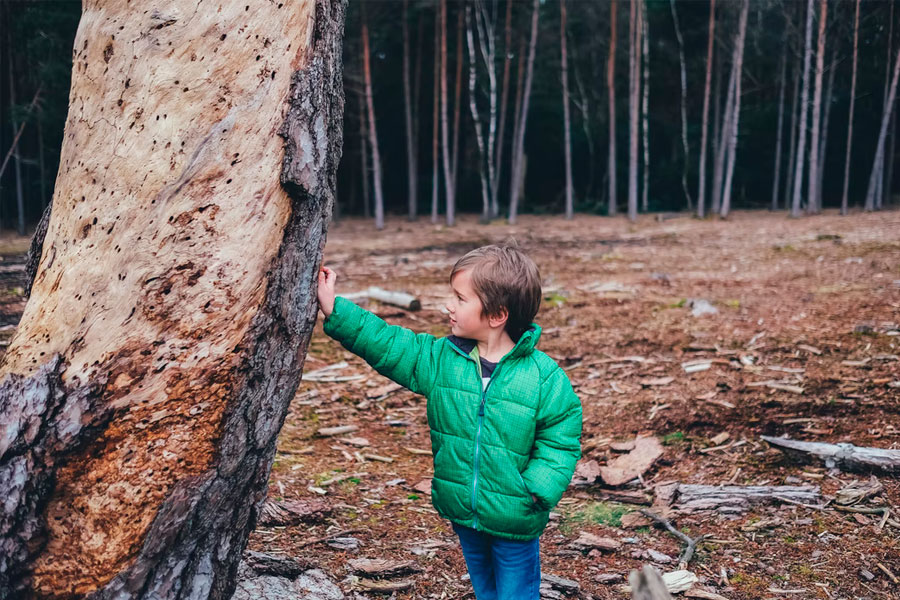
(401, 299)
(691, 543)
(732, 499)
(846, 457)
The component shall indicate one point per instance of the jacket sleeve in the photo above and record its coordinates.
(557, 443)
(399, 354)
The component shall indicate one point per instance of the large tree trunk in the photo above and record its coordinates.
(407, 112)
(684, 128)
(504, 101)
(776, 179)
(634, 93)
(567, 123)
(813, 185)
(519, 150)
(852, 103)
(611, 89)
(882, 134)
(372, 129)
(704, 132)
(735, 117)
(801, 125)
(168, 321)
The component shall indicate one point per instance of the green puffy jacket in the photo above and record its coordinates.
(493, 449)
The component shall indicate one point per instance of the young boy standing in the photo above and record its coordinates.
(505, 422)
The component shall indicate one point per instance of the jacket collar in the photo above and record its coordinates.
(525, 346)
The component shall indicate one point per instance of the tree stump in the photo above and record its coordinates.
(174, 298)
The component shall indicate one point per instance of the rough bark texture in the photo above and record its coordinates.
(152, 369)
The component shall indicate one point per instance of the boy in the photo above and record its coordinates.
(505, 422)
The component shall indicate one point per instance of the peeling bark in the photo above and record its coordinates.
(143, 392)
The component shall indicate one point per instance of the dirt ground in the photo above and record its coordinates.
(804, 344)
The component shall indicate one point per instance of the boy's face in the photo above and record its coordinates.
(466, 317)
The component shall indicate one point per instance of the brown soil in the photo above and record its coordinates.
(806, 294)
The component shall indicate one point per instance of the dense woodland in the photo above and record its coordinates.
(662, 105)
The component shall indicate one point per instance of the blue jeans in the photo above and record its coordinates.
(501, 569)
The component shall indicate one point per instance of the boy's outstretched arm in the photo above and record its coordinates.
(396, 352)
(557, 445)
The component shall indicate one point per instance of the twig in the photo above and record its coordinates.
(803, 504)
(691, 544)
(327, 537)
(888, 573)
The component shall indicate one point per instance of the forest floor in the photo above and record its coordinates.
(804, 344)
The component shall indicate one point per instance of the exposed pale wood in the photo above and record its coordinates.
(173, 302)
(704, 131)
(842, 456)
(383, 567)
(647, 584)
(735, 498)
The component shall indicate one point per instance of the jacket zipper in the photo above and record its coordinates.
(478, 430)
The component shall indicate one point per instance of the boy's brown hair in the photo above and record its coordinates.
(504, 277)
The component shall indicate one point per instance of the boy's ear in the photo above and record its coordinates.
(500, 319)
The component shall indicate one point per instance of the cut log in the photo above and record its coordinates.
(174, 298)
(383, 568)
(691, 498)
(400, 299)
(846, 457)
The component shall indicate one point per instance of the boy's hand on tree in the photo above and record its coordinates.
(327, 279)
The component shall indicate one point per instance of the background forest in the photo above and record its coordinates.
(449, 102)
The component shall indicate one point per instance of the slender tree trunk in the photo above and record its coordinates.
(456, 99)
(517, 112)
(484, 158)
(364, 154)
(735, 119)
(880, 192)
(373, 132)
(504, 101)
(844, 199)
(717, 118)
(435, 120)
(519, 166)
(882, 135)
(611, 88)
(721, 155)
(645, 60)
(445, 129)
(776, 179)
(794, 133)
(567, 134)
(813, 185)
(826, 118)
(889, 164)
(704, 131)
(484, 20)
(417, 87)
(144, 388)
(801, 125)
(684, 132)
(17, 160)
(411, 169)
(634, 79)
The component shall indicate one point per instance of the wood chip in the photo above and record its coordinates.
(656, 381)
(378, 458)
(720, 439)
(417, 451)
(625, 468)
(359, 442)
(588, 541)
(810, 349)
